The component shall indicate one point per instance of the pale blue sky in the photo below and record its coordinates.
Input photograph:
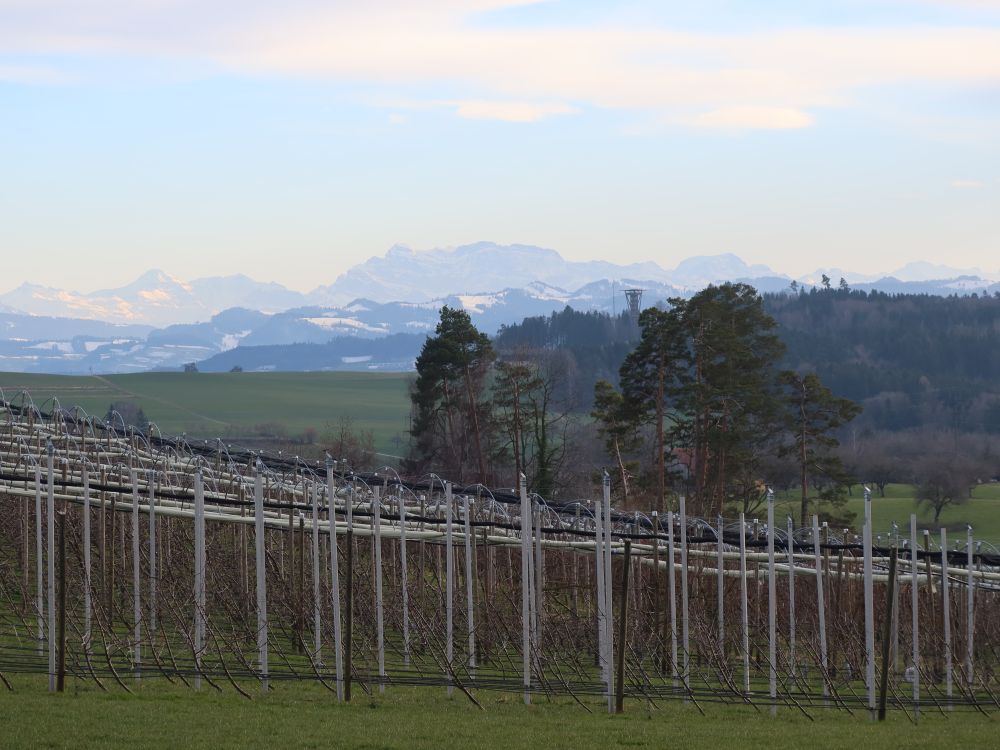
(291, 140)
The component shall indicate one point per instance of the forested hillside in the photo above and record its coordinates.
(910, 360)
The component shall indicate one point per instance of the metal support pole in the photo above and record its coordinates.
(720, 592)
(824, 663)
(890, 605)
(338, 642)
(136, 582)
(915, 613)
(39, 561)
(87, 581)
(790, 549)
(600, 583)
(50, 517)
(970, 613)
(608, 586)
(623, 630)
(470, 619)
(449, 552)
(946, 615)
(869, 606)
(199, 575)
(744, 614)
(685, 624)
(261, 570)
(404, 583)
(772, 612)
(376, 507)
(317, 654)
(525, 531)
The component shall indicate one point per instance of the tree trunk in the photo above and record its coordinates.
(474, 413)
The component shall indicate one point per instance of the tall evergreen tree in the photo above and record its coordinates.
(649, 377)
(617, 426)
(812, 415)
(728, 403)
(448, 398)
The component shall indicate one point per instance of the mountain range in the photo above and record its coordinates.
(161, 322)
(404, 275)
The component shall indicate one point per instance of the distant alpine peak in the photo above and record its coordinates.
(480, 275)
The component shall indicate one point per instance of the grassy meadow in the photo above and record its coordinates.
(982, 511)
(306, 715)
(236, 404)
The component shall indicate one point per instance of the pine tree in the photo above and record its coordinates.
(649, 378)
(448, 398)
(727, 405)
(812, 415)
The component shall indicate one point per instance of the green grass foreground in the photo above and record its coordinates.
(305, 715)
(232, 404)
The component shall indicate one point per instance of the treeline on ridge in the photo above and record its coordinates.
(717, 397)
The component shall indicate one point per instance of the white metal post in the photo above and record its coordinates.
(685, 620)
(599, 579)
(946, 615)
(672, 593)
(869, 605)
(772, 611)
(376, 507)
(609, 622)
(87, 602)
(525, 530)
(449, 556)
(39, 560)
(258, 510)
(136, 583)
(338, 644)
(50, 513)
(470, 619)
(790, 545)
(720, 592)
(404, 582)
(744, 614)
(915, 612)
(317, 605)
(199, 574)
(970, 614)
(820, 607)
(151, 479)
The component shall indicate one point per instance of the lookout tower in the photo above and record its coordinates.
(634, 299)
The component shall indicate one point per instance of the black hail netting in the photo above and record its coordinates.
(125, 558)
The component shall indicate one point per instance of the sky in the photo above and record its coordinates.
(291, 140)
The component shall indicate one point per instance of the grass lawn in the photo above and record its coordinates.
(982, 511)
(305, 715)
(232, 404)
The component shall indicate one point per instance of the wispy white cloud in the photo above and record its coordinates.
(757, 118)
(760, 79)
(509, 111)
(31, 74)
(967, 184)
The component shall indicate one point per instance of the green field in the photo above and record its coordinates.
(982, 512)
(305, 715)
(236, 404)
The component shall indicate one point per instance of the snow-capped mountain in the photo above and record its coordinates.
(416, 277)
(156, 298)
(419, 276)
(924, 271)
(153, 322)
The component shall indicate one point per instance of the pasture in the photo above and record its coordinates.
(207, 405)
(306, 715)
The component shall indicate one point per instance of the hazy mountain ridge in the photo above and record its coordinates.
(255, 314)
(405, 275)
